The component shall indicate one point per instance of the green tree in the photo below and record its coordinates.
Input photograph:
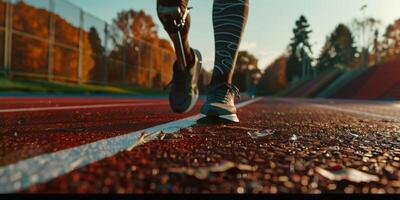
(300, 52)
(97, 72)
(339, 49)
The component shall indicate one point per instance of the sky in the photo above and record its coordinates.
(270, 22)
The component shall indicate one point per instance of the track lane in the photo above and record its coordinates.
(27, 134)
(48, 166)
(79, 107)
(324, 138)
(40, 102)
(374, 109)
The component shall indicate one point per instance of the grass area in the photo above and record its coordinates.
(42, 86)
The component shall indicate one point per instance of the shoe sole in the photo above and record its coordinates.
(196, 97)
(192, 103)
(215, 112)
(233, 118)
(223, 119)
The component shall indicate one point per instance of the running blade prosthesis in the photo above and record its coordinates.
(174, 19)
(183, 93)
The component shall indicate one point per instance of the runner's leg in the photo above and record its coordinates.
(182, 4)
(184, 92)
(229, 20)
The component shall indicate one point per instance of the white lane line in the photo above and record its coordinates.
(45, 167)
(345, 110)
(357, 112)
(13, 110)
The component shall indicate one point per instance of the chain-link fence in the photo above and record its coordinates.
(56, 40)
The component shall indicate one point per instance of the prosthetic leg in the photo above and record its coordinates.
(184, 92)
(173, 19)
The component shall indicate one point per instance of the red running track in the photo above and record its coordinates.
(65, 122)
(327, 134)
(301, 137)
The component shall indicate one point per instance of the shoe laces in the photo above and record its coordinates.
(222, 91)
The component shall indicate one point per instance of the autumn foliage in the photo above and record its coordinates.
(274, 78)
(135, 39)
(2, 12)
(2, 21)
(32, 42)
(390, 46)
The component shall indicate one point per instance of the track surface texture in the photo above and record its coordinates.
(280, 146)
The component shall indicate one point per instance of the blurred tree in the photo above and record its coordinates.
(2, 12)
(30, 54)
(165, 44)
(299, 61)
(274, 77)
(339, 49)
(364, 31)
(144, 28)
(130, 25)
(97, 72)
(2, 24)
(376, 53)
(95, 41)
(246, 68)
(391, 41)
(128, 30)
